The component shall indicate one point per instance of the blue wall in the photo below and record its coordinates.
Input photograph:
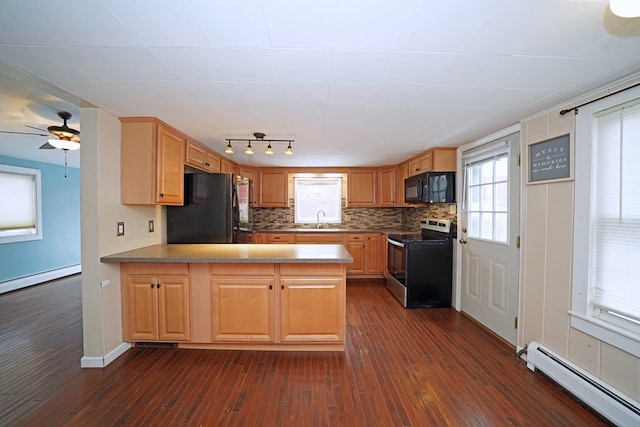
(60, 244)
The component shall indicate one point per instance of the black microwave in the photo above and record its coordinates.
(430, 187)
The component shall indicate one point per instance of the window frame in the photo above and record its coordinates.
(14, 236)
(325, 220)
(584, 315)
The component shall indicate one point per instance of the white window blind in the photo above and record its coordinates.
(615, 254)
(314, 194)
(20, 217)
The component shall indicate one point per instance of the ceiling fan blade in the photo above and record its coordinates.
(24, 133)
(33, 127)
(47, 146)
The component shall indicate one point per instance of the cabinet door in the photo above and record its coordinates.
(312, 309)
(356, 249)
(273, 186)
(173, 308)
(243, 309)
(142, 309)
(195, 155)
(374, 263)
(169, 167)
(212, 161)
(387, 185)
(444, 159)
(361, 187)
(252, 175)
(228, 166)
(426, 162)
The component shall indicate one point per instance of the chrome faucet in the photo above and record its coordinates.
(318, 225)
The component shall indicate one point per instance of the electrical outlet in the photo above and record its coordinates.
(453, 209)
(151, 226)
(120, 231)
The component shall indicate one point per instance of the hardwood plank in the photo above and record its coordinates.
(400, 367)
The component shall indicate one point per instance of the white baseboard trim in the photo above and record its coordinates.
(101, 362)
(35, 279)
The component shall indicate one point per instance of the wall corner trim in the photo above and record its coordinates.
(103, 361)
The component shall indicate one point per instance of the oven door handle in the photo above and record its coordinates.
(395, 243)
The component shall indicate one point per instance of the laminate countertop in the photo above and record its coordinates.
(235, 253)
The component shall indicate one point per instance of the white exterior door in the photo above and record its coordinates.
(490, 224)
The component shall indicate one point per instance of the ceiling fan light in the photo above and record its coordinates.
(229, 149)
(249, 149)
(289, 150)
(64, 144)
(625, 8)
(269, 150)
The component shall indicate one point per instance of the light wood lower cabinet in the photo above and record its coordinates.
(311, 309)
(155, 307)
(243, 309)
(295, 306)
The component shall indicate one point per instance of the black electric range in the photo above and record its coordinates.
(420, 265)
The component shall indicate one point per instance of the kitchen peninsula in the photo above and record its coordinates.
(240, 296)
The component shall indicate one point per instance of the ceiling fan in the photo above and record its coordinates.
(62, 137)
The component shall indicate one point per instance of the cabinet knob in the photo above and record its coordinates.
(281, 286)
(153, 286)
(161, 194)
(159, 284)
(270, 286)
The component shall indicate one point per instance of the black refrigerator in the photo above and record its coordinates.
(210, 212)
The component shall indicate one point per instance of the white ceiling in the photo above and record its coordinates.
(354, 82)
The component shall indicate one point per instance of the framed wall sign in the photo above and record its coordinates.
(550, 160)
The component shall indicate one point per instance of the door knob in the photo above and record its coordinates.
(463, 241)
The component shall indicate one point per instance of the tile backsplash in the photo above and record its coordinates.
(355, 218)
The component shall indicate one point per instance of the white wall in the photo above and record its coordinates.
(100, 211)
(546, 270)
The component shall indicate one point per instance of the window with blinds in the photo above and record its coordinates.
(615, 221)
(20, 217)
(318, 198)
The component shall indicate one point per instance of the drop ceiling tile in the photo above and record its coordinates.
(248, 64)
(372, 24)
(306, 93)
(304, 23)
(89, 21)
(147, 18)
(192, 63)
(21, 24)
(54, 63)
(138, 62)
(304, 65)
(239, 23)
(111, 91)
(441, 26)
(251, 93)
(172, 91)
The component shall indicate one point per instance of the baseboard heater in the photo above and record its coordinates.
(609, 402)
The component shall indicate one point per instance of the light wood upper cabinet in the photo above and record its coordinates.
(387, 185)
(273, 188)
(361, 187)
(228, 166)
(152, 170)
(201, 157)
(436, 159)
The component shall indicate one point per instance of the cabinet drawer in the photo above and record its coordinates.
(243, 269)
(319, 238)
(356, 237)
(311, 270)
(278, 238)
(155, 268)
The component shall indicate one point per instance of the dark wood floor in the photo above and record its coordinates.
(416, 367)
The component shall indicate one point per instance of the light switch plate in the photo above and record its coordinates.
(151, 226)
(120, 229)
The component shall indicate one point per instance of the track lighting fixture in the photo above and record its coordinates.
(259, 137)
